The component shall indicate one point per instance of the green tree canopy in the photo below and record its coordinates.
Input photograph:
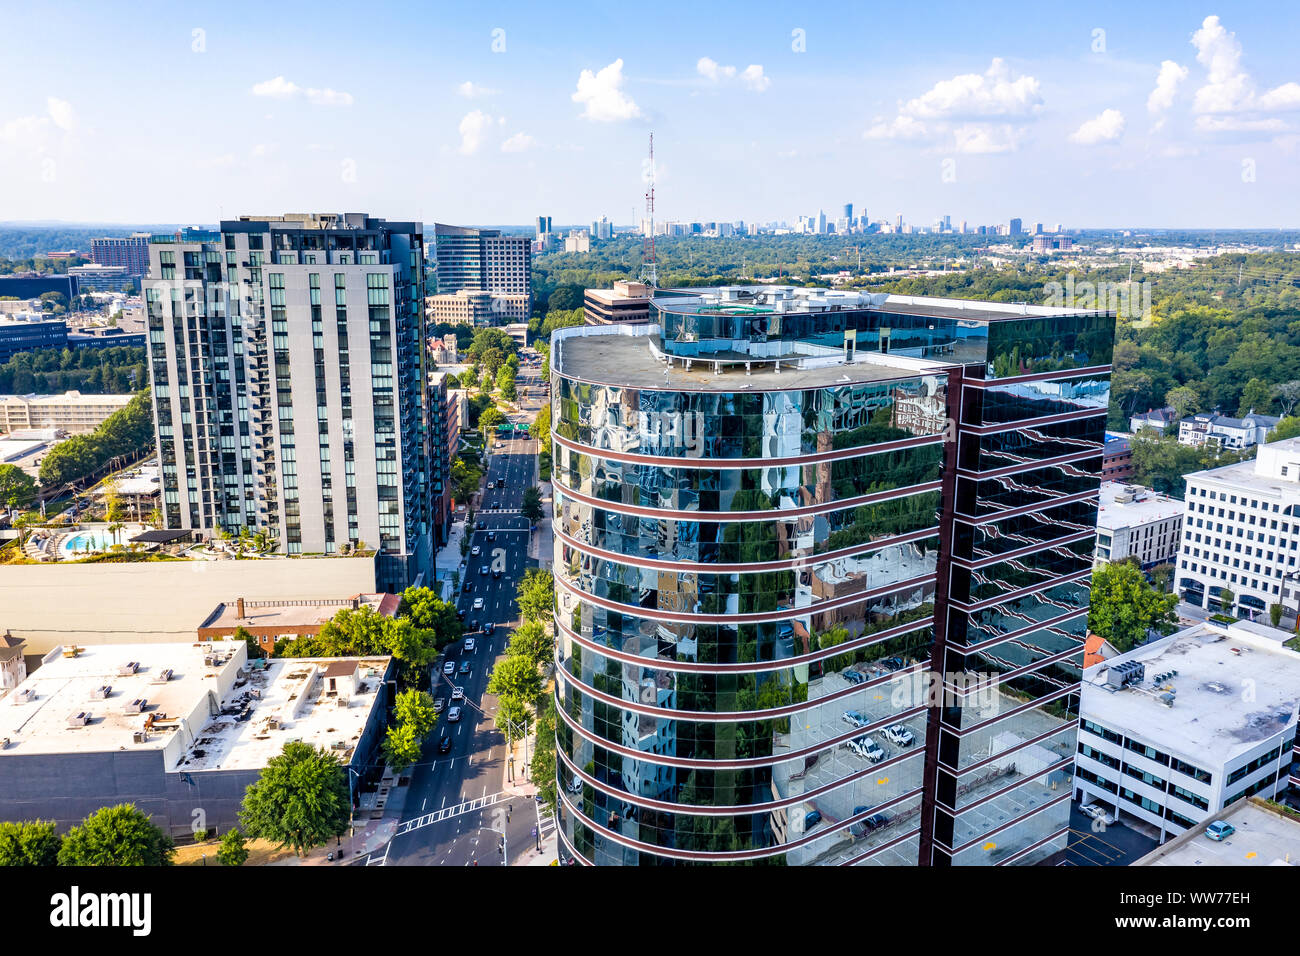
(17, 488)
(116, 836)
(532, 506)
(428, 612)
(531, 640)
(1124, 606)
(536, 595)
(232, 851)
(299, 801)
(517, 677)
(29, 843)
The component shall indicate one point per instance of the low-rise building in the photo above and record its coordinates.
(1175, 730)
(1136, 522)
(626, 302)
(1241, 530)
(1227, 433)
(1157, 418)
(1116, 458)
(269, 621)
(176, 727)
(22, 336)
(72, 412)
(13, 666)
(477, 309)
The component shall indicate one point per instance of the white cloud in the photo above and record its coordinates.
(1106, 127)
(471, 90)
(1167, 82)
(602, 96)
(985, 138)
(996, 92)
(518, 143)
(282, 89)
(1228, 87)
(902, 127)
(61, 113)
(1239, 124)
(752, 76)
(472, 128)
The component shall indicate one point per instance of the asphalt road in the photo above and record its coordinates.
(472, 770)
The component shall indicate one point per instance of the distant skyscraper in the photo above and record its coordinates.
(848, 211)
(543, 225)
(483, 260)
(821, 221)
(1015, 227)
(1038, 229)
(266, 327)
(131, 253)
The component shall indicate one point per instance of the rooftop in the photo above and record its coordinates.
(204, 705)
(623, 355)
(1209, 714)
(1126, 506)
(289, 615)
(1265, 837)
(1274, 472)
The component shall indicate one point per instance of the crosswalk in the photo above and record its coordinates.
(498, 511)
(545, 822)
(446, 813)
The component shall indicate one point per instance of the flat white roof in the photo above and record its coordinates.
(1146, 506)
(1264, 837)
(1236, 687)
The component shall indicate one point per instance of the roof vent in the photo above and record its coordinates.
(127, 669)
(163, 676)
(135, 706)
(79, 719)
(102, 692)
(24, 695)
(139, 737)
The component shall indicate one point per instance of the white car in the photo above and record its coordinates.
(453, 715)
(439, 705)
(478, 604)
(475, 551)
(458, 693)
(898, 734)
(866, 748)
(1097, 813)
(449, 668)
(469, 645)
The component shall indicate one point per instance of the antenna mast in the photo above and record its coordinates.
(649, 265)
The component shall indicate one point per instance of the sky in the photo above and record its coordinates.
(1139, 115)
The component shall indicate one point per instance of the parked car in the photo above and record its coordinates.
(900, 735)
(1097, 813)
(470, 644)
(866, 748)
(877, 820)
(475, 551)
(856, 718)
(853, 676)
(1219, 830)
(439, 704)
(811, 819)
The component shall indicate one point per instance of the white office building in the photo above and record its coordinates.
(1137, 522)
(1175, 730)
(1241, 530)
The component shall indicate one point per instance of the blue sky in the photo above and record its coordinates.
(1116, 115)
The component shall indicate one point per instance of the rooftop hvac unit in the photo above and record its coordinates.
(135, 706)
(127, 669)
(139, 737)
(4, 744)
(163, 676)
(341, 702)
(79, 719)
(24, 695)
(1125, 673)
(1167, 699)
(101, 692)
(339, 745)
(273, 723)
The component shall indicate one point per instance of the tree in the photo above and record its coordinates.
(29, 843)
(415, 708)
(232, 851)
(299, 801)
(1125, 607)
(515, 676)
(536, 595)
(1275, 612)
(1226, 599)
(1256, 397)
(541, 429)
(17, 488)
(1287, 394)
(531, 640)
(506, 383)
(117, 836)
(1184, 400)
(1286, 428)
(402, 746)
(254, 647)
(532, 506)
(428, 612)
(543, 763)
(510, 717)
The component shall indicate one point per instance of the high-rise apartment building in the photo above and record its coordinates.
(779, 513)
(483, 260)
(268, 325)
(131, 253)
(543, 225)
(1015, 227)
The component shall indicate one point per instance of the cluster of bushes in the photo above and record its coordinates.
(127, 431)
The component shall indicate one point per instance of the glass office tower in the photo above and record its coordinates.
(822, 577)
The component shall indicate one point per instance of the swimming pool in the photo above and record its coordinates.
(98, 539)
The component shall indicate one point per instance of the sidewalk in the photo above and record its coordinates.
(448, 560)
(370, 839)
(541, 545)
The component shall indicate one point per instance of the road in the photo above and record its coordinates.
(454, 801)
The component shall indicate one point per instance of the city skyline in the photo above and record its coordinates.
(1113, 116)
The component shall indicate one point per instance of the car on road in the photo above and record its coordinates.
(483, 570)
(465, 668)
(473, 624)
(458, 693)
(1219, 830)
(1097, 813)
(468, 586)
(469, 645)
(444, 743)
(449, 668)
(481, 525)
(496, 572)
(453, 715)
(478, 604)
(492, 536)
(491, 485)
(854, 717)
(460, 613)
(475, 551)
(439, 705)
(489, 627)
(497, 445)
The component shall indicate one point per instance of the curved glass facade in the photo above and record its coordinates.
(756, 576)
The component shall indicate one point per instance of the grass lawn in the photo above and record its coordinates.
(260, 852)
